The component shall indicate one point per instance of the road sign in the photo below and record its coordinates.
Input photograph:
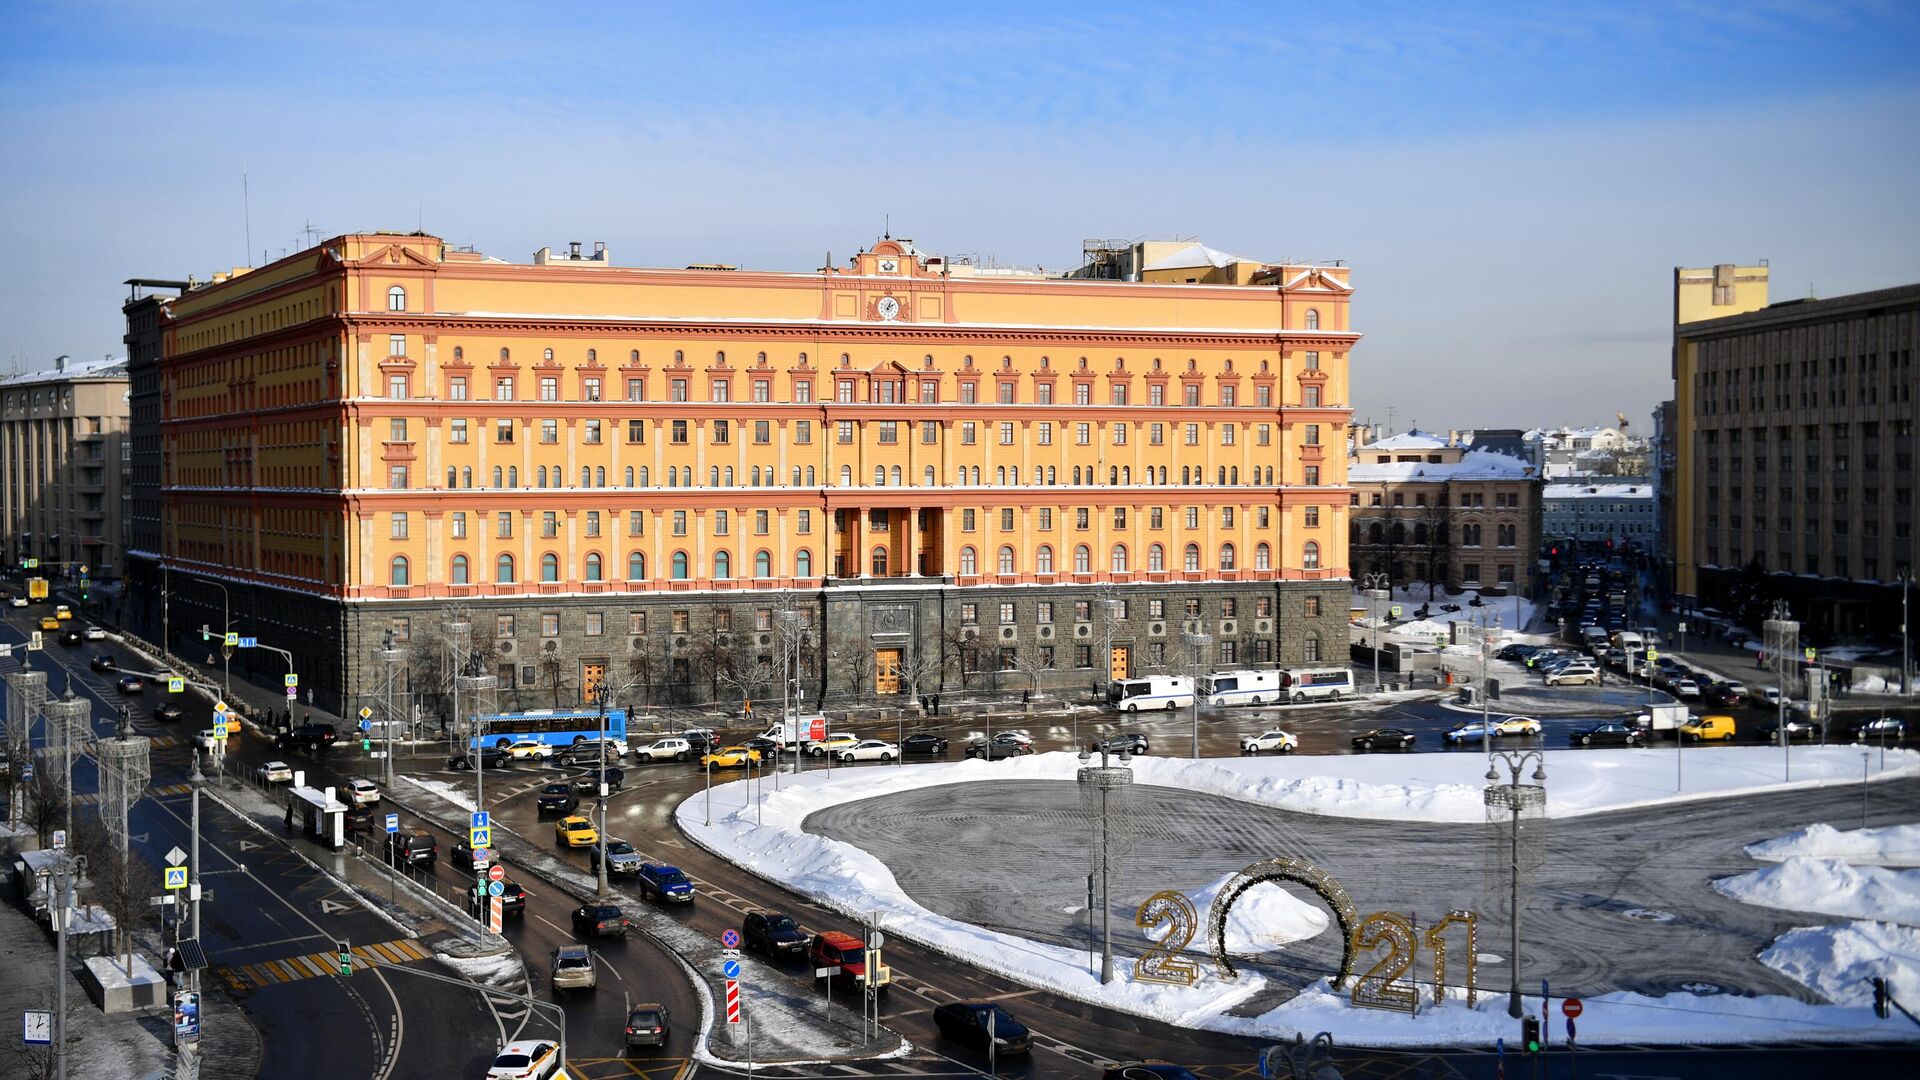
(176, 877)
(26, 770)
(220, 708)
(495, 888)
(30, 564)
(175, 686)
(730, 938)
(292, 680)
(1653, 653)
(292, 693)
(220, 732)
(481, 857)
(59, 839)
(232, 640)
(496, 913)
(1572, 1007)
(34, 642)
(83, 571)
(393, 822)
(1683, 628)
(366, 725)
(496, 872)
(249, 642)
(733, 1001)
(731, 969)
(365, 712)
(186, 1016)
(479, 819)
(480, 838)
(175, 856)
(39, 1027)
(1394, 611)
(1811, 653)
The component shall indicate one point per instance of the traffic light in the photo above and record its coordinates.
(1530, 1033)
(205, 634)
(346, 957)
(1880, 999)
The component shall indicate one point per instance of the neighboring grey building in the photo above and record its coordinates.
(63, 467)
(1594, 512)
(145, 314)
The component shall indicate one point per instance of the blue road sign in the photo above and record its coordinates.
(480, 820)
(366, 725)
(393, 822)
(730, 938)
(249, 642)
(495, 888)
(731, 969)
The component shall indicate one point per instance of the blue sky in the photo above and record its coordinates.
(1512, 183)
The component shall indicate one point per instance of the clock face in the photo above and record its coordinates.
(889, 266)
(888, 307)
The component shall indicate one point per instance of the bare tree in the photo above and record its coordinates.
(122, 880)
(553, 670)
(960, 650)
(1032, 663)
(747, 681)
(854, 665)
(711, 657)
(429, 669)
(46, 802)
(642, 667)
(919, 665)
(1433, 539)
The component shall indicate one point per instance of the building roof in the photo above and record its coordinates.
(109, 368)
(1194, 256)
(1410, 440)
(1638, 489)
(1474, 465)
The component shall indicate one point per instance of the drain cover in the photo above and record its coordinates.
(1701, 988)
(1641, 914)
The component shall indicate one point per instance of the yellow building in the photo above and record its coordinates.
(621, 472)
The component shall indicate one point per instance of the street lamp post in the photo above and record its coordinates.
(1377, 587)
(1782, 637)
(1488, 639)
(1197, 644)
(600, 775)
(1101, 781)
(226, 627)
(1514, 796)
(1905, 578)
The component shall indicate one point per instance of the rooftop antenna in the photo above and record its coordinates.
(886, 227)
(246, 212)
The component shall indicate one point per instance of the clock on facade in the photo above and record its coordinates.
(888, 308)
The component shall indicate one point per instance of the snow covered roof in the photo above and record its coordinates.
(1410, 440)
(1638, 490)
(1194, 256)
(85, 369)
(1474, 465)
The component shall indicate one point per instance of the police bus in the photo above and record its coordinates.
(1151, 692)
(1241, 688)
(1316, 684)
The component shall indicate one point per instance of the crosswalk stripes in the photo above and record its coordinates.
(92, 798)
(317, 965)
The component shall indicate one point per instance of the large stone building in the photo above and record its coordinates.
(1616, 515)
(63, 467)
(1432, 509)
(624, 474)
(1794, 448)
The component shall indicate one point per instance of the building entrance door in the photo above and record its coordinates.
(592, 674)
(1120, 663)
(886, 671)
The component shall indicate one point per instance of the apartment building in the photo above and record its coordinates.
(1432, 508)
(63, 466)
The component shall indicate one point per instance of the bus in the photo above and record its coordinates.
(1313, 684)
(558, 728)
(1151, 692)
(1241, 688)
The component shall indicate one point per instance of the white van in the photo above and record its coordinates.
(1241, 688)
(1629, 641)
(1316, 684)
(795, 732)
(1151, 692)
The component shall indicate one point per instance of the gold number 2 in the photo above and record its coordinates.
(1162, 962)
(1382, 986)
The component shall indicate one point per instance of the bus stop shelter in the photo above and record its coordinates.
(322, 817)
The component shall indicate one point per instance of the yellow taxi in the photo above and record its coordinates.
(48, 622)
(729, 756)
(63, 613)
(575, 831)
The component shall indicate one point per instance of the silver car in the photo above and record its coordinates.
(573, 968)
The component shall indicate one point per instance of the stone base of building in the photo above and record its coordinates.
(1827, 609)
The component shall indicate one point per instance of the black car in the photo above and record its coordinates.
(1796, 729)
(923, 742)
(599, 920)
(167, 710)
(587, 753)
(967, 1022)
(101, 663)
(1605, 735)
(311, 737)
(588, 783)
(1147, 1070)
(774, 934)
(997, 749)
(72, 639)
(513, 898)
(1385, 738)
(413, 847)
(1132, 742)
(699, 740)
(131, 684)
(491, 757)
(360, 819)
(767, 747)
(557, 799)
(647, 1025)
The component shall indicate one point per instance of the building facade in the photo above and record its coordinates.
(622, 475)
(145, 311)
(1794, 449)
(63, 467)
(1431, 509)
(1616, 515)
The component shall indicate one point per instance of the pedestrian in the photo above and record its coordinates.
(936, 704)
(289, 817)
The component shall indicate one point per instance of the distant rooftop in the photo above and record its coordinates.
(65, 370)
(1473, 465)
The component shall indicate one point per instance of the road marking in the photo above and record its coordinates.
(329, 906)
(318, 964)
(544, 919)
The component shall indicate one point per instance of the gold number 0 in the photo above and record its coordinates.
(1162, 962)
(1436, 944)
(1381, 986)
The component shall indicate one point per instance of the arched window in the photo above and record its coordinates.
(1156, 557)
(1311, 648)
(1374, 533)
(810, 482)
(645, 479)
(1043, 559)
(762, 563)
(968, 560)
(1310, 555)
(1000, 475)
(1006, 559)
(713, 476)
(679, 566)
(540, 476)
(505, 354)
(755, 481)
(396, 299)
(1082, 559)
(803, 563)
(722, 565)
(629, 476)
(896, 476)
(1119, 560)
(593, 566)
(879, 476)
(1420, 532)
(1226, 557)
(673, 479)
(728, 475)
(466, 476)
(503, 570)
(453, 476)
(1313, 318)
(1262, 557)
(636, 566)
(878, 561)
(549, 567)
(1192, 557)
(846, 476)
(586, 476)
(497, 476)
(459, 573)
(397, 571)
(546, 354)
(796, 476)
(931, 476)
(513, 476)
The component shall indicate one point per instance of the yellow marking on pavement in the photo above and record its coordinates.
(281, 972)
(320, 964)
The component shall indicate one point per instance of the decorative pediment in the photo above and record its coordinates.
(1313, 279)
(393, 255)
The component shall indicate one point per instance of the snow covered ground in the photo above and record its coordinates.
(454, 795)
(1891, 845)
(1426, 787)
(1830, 887)
(1499, 611)
(1836, 961)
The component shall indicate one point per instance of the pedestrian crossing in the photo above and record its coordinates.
(317, 965)
(93, 798)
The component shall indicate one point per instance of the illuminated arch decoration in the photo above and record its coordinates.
(1323, 884)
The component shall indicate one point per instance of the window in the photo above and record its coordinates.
(549, 567)
(681, 621)
(803, 390)
(1156, 434)
(458, 574)
(636, 389)
(966, 521)
(503, 626)
(1082, 559)
(679, 523)
(1118, 563)
(593, 566)
(1046, 519)
(1156, 557)
(1043, 559)
(396, 299)
(1310, 648)
(1083, 656)
(1192, 434)
(966, 433)
(503, 432)
(1046, 434)
(720, 522)
(397, 527)
(762, 563)
(636, 567)
(503, 388)
(968, 560)
(592, 432)
(636, 622)
(1083, 434)
(1226, 557)
(969, 614)
(677, 390)
(549, 523)
(1262, 556)
(1310, 475)
(722, 566)
(680, 566)
(503, 570)
(803, 563)
(397, 477)
(1006, 563)
(678, 433)
(549, 388)
(720, 390)
(550, 624)
(1310, 395)
(1043, 611)
(397, 571)
(1313, 318)
(396, 344)
(1006, 613)
(1312, 362)
(1191, 557)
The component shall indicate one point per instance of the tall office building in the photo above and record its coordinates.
(624, 473)
(141, 606)
(63, 467)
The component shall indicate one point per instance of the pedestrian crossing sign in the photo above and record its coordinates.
(176, 877)
(175, 686)
(480, 838)
(232, 639)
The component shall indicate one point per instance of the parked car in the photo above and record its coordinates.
(968, 1023)
(1770, 695)
(359, 819)
(647, 1025)
(1708, 729)
(313, 737)
(728, 757)
(1686, 688)
(131, 684)
(488, 757)
(573, 969)
(588, 783)
(529, 750)
(461, 856)
(1574, 675)
(672, 748)
(360, 791)
(700, 739)
(593, 752)
(411, 847)
(1130, 742)
(1882, 729)
(997, 749)
(923, 742)
(834, 743)
(526, 1059)
(1517, 725)
(100, 663)
(1384, 739)
(1727, 695)
(96, 633)
(621, 857)
(575, 831)
(556, 798)
(1605, 735)
(1282, 742)
(870, 750)
(599, 920)
(275, 772)
(167, 711)
(773, 934)
(1797, 728)
(658, 881)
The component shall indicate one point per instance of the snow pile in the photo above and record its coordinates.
(1836, 961)
(1891, 845)
(506, 969)
(454, 795)
(1264, 918)
(1830, 887)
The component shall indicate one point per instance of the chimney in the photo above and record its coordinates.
(573, 247)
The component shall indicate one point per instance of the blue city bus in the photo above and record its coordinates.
(558, 728)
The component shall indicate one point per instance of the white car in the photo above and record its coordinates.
(1770, 695)
(1517, 725)
(870, 750)
(17, 601)
(275, 772)
(1575, 675)
(96, 633)
(1686, 688)
(526, 1059)
(205, 740)
(529, 750)
(360, 791)
(672, 749)
(1277, 740)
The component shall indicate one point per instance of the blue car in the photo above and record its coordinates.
(658, 881)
